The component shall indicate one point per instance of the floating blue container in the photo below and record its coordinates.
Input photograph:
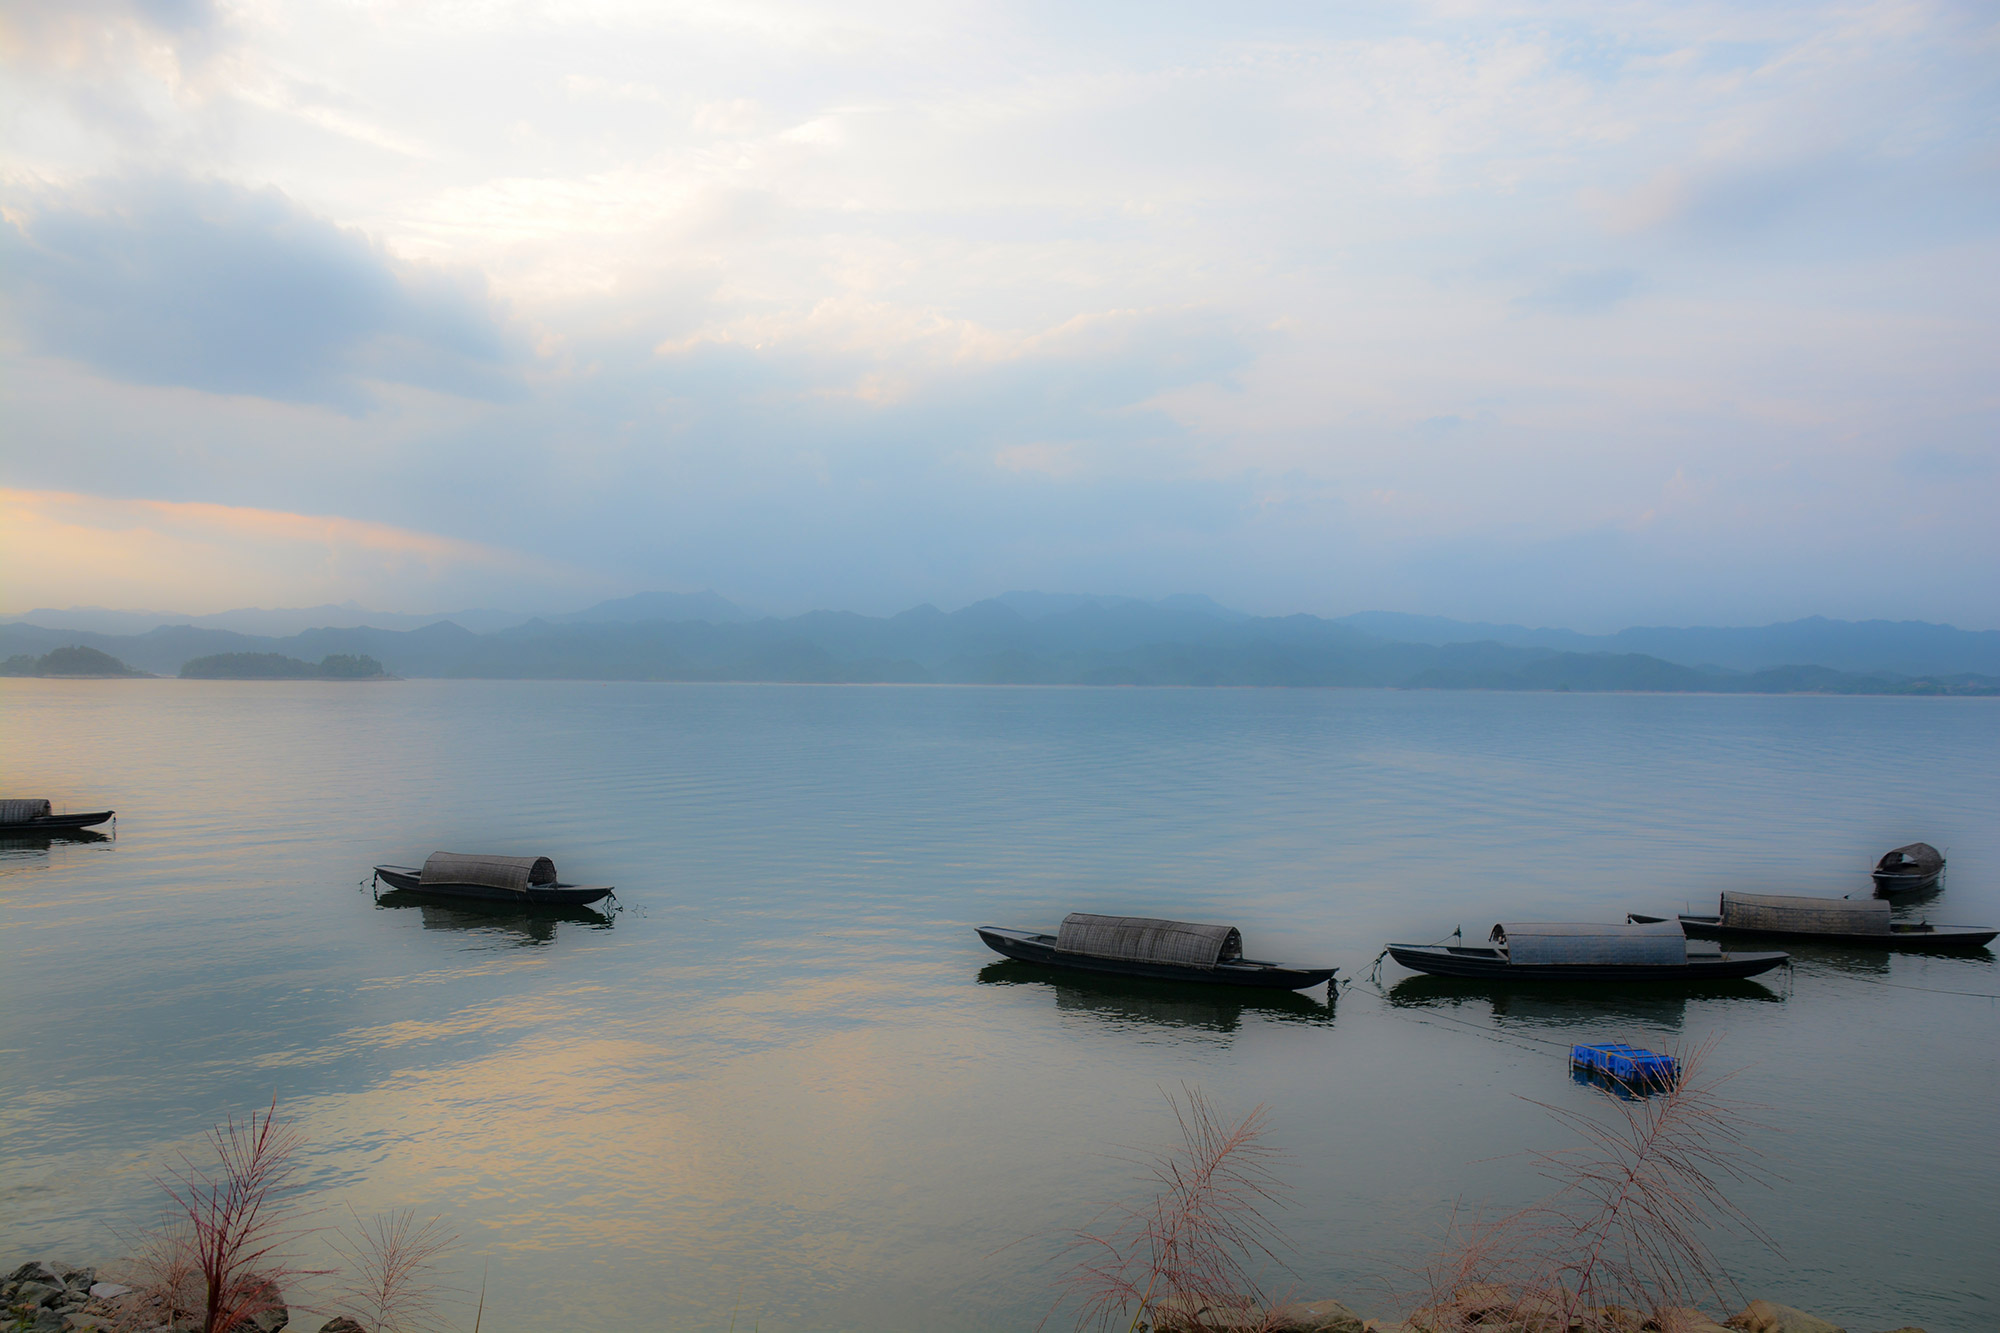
(1628, 1064)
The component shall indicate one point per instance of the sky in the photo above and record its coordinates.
(1589, 314)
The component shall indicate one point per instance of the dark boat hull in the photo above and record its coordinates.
(533, 923)
(1890, 882)
(1147, 1002)
(56, 823)
(410, 880)
(1033, 948)
(1487, 965)
(1929, 939)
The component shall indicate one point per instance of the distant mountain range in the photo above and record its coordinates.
(1046, 638)
(348, 615)
(1907, 647)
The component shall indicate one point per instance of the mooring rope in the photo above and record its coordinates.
(1508, 1038)
(1934, 990)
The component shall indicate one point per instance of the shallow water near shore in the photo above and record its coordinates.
(785, 1085)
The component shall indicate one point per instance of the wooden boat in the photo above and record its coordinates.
(1916, 866)
(1144, 946)
(521, 880)
(1147, 1003)
(44, 839)
(1578, 951)
(1863, 921)
(37, 816)
(531, 923)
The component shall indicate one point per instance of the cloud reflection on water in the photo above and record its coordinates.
(781, 1088)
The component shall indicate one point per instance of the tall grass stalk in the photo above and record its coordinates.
(1191, 1246)
(391, 1281)
(223, 1254)
(1637, 1211)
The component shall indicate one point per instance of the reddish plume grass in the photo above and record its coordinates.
(1631, 1226)
(164, 1272)
(391, 1282)
(1185, 1256)
(221, 1257)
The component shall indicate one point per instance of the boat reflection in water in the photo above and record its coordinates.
(1556, 1006)
(516, 925)
(30, 844)
(1908, 904)
(1809, 956)
(1134, 1003)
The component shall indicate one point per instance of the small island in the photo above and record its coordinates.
(75, 661)
(276, 666)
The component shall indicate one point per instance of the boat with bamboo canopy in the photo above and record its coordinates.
(1581, 951)
(1914, 866)
(529, 880)
(1151, 947)
(34, 815)
(1857, 921)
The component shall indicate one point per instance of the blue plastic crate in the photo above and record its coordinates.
(1628, 1064)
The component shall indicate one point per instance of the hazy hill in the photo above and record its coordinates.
(70, 660)
(1033, 638)
(260, 621)
(276, 666)
(161, 650)
(705, 605)
(1909, 647)
(349, 615)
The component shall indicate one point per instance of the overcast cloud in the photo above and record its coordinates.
(1582, 314)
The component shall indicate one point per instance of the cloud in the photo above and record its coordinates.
(213, 286)
(918, 302)
(1589, 291)
(90, 31)
(199, 557)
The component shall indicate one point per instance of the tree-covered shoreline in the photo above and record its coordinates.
(277, 666)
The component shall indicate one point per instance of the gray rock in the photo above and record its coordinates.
(1204, 1314)
(341, 1324)
(34, 1292)
(273, 1315)
(35, 1271)
(1771, 1317)
(88, 1323)
(1314, 1317)
(79, 1277)
(48, 1321)
(104, 1291)
(1682, 1319)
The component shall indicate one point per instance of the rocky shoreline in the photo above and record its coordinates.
(1482, 1309)
(45, 1297)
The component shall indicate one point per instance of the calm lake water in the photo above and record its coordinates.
(787, 1085)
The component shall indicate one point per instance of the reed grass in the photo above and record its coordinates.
(1194, 1244)
(1632, 1225)
(390, 1283)
(224, 1252)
